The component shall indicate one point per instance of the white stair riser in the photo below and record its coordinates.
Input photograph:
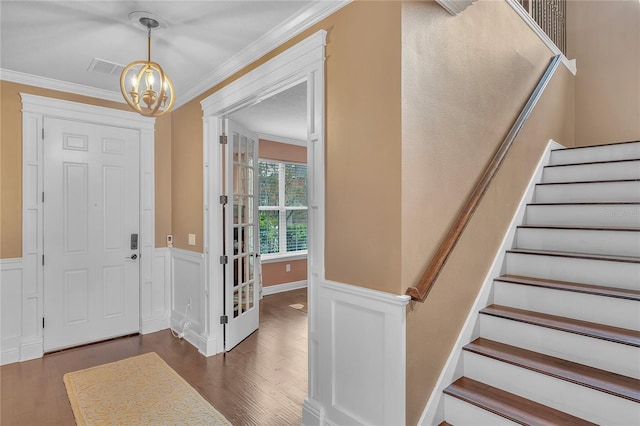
(598, 353)
(579, 401)
(460, 413)
(597, 153)
(611, 311)
(597, 272)
(618, 215)
(592, 172)
(614, 243)
(598, 192)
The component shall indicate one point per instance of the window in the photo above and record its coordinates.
(282, 201)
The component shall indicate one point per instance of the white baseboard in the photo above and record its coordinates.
(153, 324)
(31, 349)
(434, 410)
(311, 413)
(9, 356)
(279, 288)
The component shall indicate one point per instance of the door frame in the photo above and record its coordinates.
(34, 110)
(301, 62)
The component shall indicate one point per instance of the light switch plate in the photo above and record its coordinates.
(192, 239)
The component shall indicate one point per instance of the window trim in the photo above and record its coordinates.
(282, 210)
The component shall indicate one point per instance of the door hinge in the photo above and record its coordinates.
(42, 322)
(43, 260)
(223, 139)
(43, 197)
(224, 319)
(224, 260)
(43, 133)
(224, 199)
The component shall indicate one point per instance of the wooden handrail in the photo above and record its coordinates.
(420, 292)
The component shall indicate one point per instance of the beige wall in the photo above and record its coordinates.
(11, 165)
(464, 81)
(604, 38)
(362, 147)
(282, 152)
(276, 273)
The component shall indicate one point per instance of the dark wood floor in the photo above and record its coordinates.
(263, 381)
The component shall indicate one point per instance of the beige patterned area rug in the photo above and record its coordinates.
(142, 390)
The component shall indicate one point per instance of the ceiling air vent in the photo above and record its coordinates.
(105, 67)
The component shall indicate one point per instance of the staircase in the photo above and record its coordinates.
(561, 342)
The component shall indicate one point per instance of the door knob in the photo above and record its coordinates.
(132, 257)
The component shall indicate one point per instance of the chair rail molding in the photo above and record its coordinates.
(455, 7)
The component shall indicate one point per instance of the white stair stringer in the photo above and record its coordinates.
(611, 152)
(572, 293)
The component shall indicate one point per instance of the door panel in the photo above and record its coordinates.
(91, 183)
(242, 287)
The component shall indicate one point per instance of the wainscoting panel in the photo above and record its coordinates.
(155, 300)
(188, 295)
(11, 310)
(361, 343)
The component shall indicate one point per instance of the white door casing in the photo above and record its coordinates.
(302, 62)
(91, 271)
(242, 286)
(34, 110)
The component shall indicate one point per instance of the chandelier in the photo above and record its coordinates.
(144, 85)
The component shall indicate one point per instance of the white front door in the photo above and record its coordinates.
(91, 228)
(242, 285)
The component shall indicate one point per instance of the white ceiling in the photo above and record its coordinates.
(53, 43)
(283, 115)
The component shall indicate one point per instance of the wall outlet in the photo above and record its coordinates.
(192, 239)
(287, 267)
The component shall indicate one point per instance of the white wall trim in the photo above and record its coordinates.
(187, 278)
(59, 85)
(304, 61)
(434, 410)
(455, 7)
(156, 299)
(362, 354)
(280, 288)
(281, 139)
(522, 13)
(34, 111)
(309, 16)
(10, 310)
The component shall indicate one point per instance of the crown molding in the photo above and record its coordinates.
(62, 86)
(309, 16)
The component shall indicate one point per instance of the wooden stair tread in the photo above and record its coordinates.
(620, 293)
(508, 405)
(580, 182)
(581, 227)
(594, 378)
(626, 160)
(589, 256)
(570, 325)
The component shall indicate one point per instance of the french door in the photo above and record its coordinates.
(242, 227)
(91, 228)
